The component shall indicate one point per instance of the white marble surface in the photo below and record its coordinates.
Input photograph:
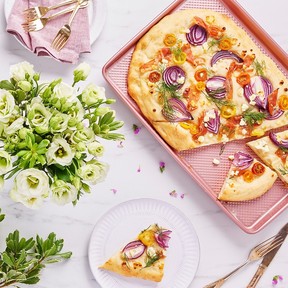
(223, 244)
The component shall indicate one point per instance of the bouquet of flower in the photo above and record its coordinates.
(50, 136)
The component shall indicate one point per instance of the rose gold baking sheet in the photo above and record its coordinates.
(250, 216)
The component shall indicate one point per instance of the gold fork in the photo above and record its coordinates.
(40, 23)
(39, 11)
(256, 253)
(64, 33)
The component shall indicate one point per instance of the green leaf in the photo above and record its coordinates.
(6, 85)
(7, 260)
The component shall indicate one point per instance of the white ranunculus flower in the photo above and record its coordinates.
(81, 72)
(31, 186)
(19, 71)
(5, 162)
(95, 148)
(59, 152)
(64, 91)
(92, 93)
(93, 173)
(15, 126)
(7, 104)
(63, 192)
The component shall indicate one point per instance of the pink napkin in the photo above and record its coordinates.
(39, 42)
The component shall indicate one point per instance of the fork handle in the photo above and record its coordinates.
(254, 281)
(64, 3)
(221, 281)
(75, 10)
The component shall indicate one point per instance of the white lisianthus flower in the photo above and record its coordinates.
(31, 186)
(18, 71)
(92, 93)
(59, 122)
(63, 192)
(5, 162)
(95, 148)
(15, 126)
(38, 117)
(64, 91)
(81, 72)
(59, 152)
(7, 104)
(93, 173)
(85, 135)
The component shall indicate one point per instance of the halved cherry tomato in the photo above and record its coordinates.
(170, 40)
(225, 44)
(283, 102)
(282, 154)
(272, 101)
(200, 86)
(179, 58)
(154, 76)
(200, 74)
(243, 79)
(248, 176)
(194, 129)
(258, 169)
(228, 111)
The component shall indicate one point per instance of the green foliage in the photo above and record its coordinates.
(23, 259)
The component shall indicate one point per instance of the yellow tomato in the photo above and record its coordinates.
(248, 176)
(200, 86)
(170, 40)
(194, 129)
(225, 44)
(228, 111)
(257, 132)
(179, 58)
(283, 102)
(185, 125)
(147, 237)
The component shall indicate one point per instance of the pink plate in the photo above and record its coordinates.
(250, 216)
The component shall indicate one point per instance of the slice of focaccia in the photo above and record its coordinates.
(247, 179)
(144, 257)
(273, 151)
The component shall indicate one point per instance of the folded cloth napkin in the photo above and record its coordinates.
(39, 42)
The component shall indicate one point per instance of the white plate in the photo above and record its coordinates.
(96, 12)
(123, 223)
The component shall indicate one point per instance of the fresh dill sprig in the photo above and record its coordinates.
(152, 259)
(218, 102)
(253, 117)
(259, 67)
(283, 171)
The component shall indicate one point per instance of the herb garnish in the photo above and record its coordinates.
(283, 171)
(259, 67)
(218, 102)
(253, 117)
(152, 259)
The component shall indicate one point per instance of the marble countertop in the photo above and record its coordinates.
(223, 245)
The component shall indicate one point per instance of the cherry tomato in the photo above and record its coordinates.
(170, 40)
(200, 86)
(243, 79)
(225, 44)
(154, 76)
(282, 155)
(283, 102)
(228, 111)
(248, 176)
(194, 129)
(179, 58)
(258, 169)
(200, 74)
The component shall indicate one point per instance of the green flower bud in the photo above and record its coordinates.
(25, 85)
(80, 147)
(81, 72)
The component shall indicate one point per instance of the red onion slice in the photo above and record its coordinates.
(174, 76)
(197, 35)
(252, 87)
(276, 115)
(134, 249)
(216, 87)
(177, 111)
(242, 160)
(162, 238)
(225, 54)
(213, 124)
(281, 143)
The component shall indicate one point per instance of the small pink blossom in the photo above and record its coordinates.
(136, 129)
(173, 193)
(139, 169)
(114, 190)
(276, 279)
(162, 166)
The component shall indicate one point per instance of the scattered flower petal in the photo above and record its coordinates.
(276, 279)
(114, 190)
(136, 129)
(139, 169)
(173, 193)
(182, 196)
(120, 145)
(162, 166)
